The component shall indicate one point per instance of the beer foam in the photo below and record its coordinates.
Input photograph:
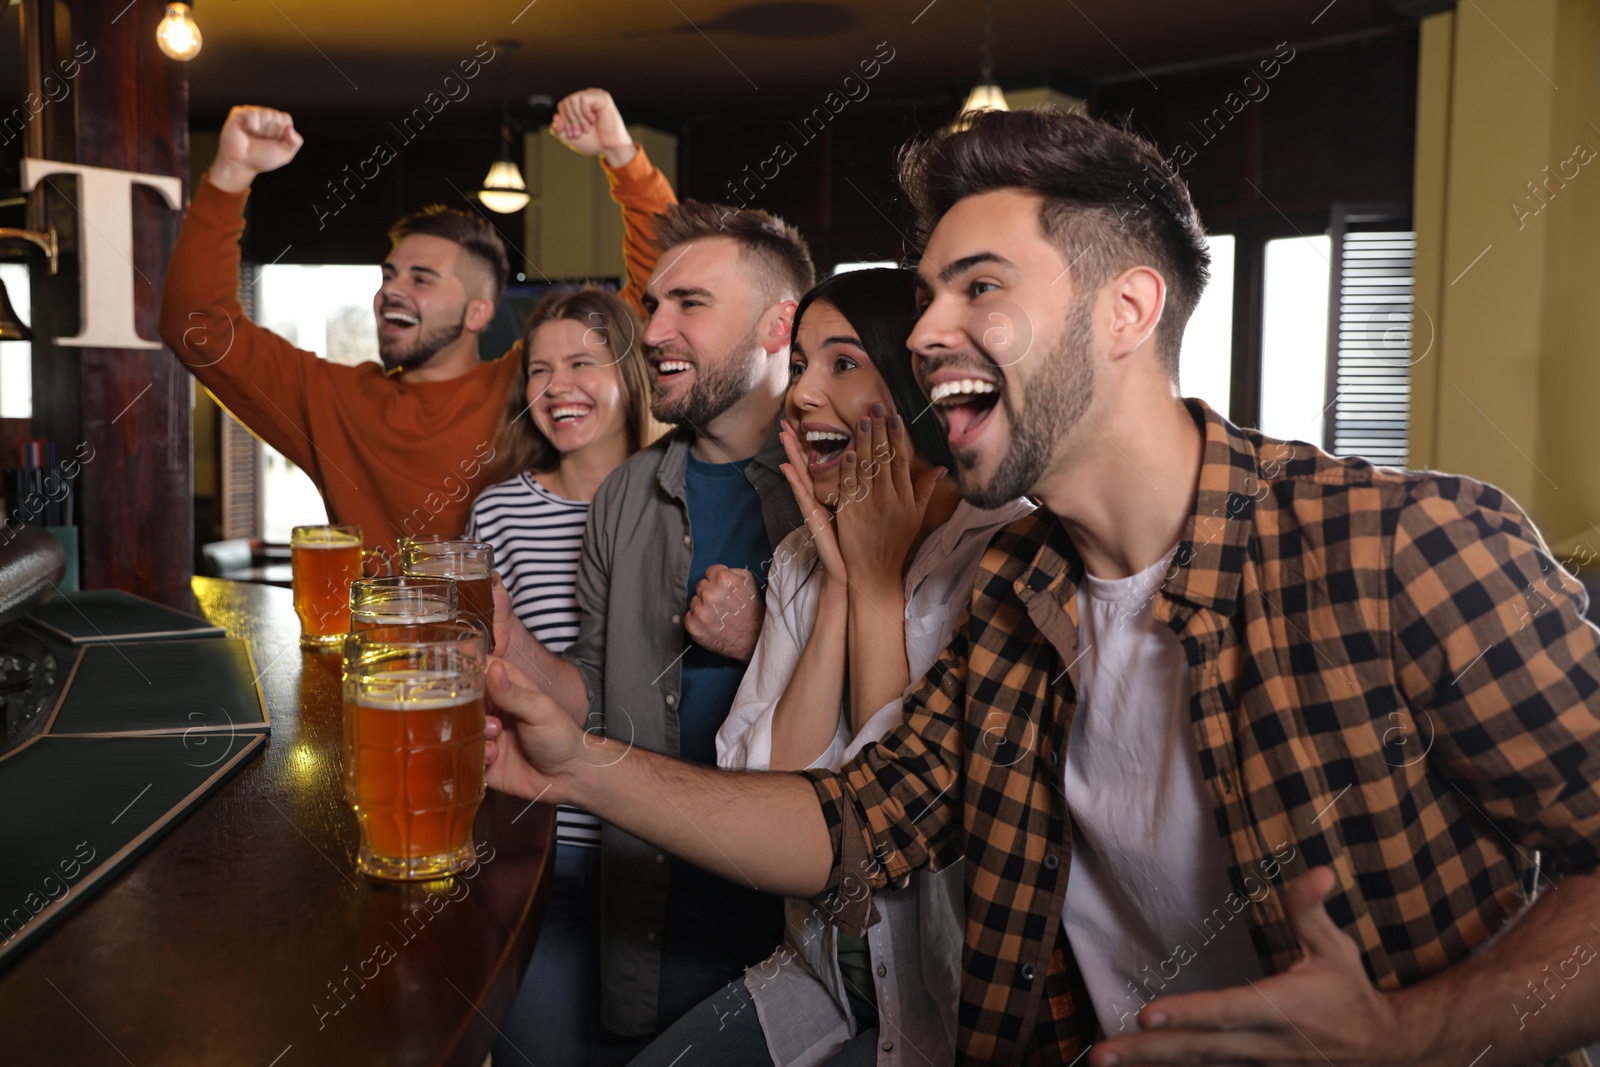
(416, 690)
(325, 539)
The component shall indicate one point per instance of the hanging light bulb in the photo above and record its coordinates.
(986, 95)
(504, 190)
(178, 35)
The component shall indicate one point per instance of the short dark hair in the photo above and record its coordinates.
(476, 237)
(1110, 201)
(880, 304)
(779, 253)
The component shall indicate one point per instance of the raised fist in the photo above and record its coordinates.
(588, 122)
(253, 140)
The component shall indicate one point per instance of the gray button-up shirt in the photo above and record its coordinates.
(633, 581)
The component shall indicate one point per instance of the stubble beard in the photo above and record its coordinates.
(1055, 400)
(425, 347)
(718, 386)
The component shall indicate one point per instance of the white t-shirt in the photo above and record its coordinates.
(1146, 909)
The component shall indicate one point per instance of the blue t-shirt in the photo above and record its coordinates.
(713, 927)
(725, 522)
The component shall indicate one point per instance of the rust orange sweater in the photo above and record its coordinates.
(396, 456)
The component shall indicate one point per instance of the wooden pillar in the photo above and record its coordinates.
(131, 409)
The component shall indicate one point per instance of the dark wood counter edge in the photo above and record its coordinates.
(478, 1031)
(84, 888)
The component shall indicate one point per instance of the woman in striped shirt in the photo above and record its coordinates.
(582, 406)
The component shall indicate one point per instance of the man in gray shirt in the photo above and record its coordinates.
(670, 589)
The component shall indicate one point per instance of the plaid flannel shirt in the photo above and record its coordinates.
(1388, 674)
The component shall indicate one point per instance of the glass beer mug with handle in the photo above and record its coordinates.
(413, 746)
(469, 563)
(401, 600)
(326, 559)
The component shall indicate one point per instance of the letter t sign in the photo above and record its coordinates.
(105, 201)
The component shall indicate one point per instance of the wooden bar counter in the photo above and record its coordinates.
(244, 936)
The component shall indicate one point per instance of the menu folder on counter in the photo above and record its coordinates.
(81, 808)
(192, 688)
(102, 616)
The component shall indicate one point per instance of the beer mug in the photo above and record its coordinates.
(401, 600)
(413, 746)
(470, 563)
(326, 559)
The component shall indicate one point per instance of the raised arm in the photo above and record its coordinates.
(805, 723)
(261, 378)
(786, 715)
(880, 515)
(589, 123)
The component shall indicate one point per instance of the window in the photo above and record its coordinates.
(1294, 338)
(1371, 338)
(863, 264)
(1205, 365)
(326, 310)
(16, 357)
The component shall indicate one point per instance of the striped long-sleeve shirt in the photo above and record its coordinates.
(537, 538)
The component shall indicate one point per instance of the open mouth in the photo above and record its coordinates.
(668, 369)
(965, 404)
(396, 320)
(568, 415)
(825, 446)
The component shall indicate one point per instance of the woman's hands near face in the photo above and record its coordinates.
(819, 521)
(881, 507)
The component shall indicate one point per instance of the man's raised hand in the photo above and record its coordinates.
(253, 140)
(589, 123)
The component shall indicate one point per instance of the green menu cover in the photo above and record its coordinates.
(105, 615)
(80, 808)
(188, 687)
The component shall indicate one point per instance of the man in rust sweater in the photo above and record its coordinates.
(401, 449)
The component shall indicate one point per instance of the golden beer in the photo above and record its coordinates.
(326, 559)
(413, 746)
(469, 563)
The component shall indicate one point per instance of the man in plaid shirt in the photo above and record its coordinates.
(1251, 751)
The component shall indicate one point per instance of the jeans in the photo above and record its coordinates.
(713, 931)
(555, 1020)
(725, 1029)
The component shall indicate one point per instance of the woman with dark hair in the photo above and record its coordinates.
(859, 604)
(580, 406)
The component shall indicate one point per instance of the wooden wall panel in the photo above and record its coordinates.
(133, 408)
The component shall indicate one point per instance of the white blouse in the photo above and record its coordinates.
(916, 947)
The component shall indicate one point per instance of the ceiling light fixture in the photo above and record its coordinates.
(503, 189)
(178, 35)
(986, 95)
